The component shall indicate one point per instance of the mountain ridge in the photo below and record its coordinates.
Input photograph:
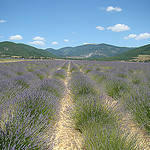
(20, 50)
(101, 52)
(140, 54)
(89, 51)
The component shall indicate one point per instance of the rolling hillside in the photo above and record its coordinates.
(102, 52)
(10, 49)
(89, 51)
(131, 55)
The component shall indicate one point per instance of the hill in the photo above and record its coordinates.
(89, 51)
(55, 52)
(10, 49)
(132, 55)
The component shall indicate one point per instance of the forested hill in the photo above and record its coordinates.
(11, 49)
(136, 54)
(89, 51)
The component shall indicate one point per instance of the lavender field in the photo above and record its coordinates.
(74, 105)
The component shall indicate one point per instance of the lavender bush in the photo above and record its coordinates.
(29, 105)
(99, 127)
(128, 82)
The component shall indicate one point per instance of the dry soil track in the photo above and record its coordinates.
(66, 137)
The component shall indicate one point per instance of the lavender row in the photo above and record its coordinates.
(28, 115)
(11, 81)
(126, 82)
(99, 127)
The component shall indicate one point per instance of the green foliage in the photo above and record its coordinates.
(106, 137)
(74, 69)
(26, 51)
(129, 55)
(135, 79)
(83, 50)
(99, 78)
(87, 71)
(40, 75)
(51, 89)
(80, 67)
(64, 67)
(19, 73)
(121, 75)
(89, 110)
(116, 88)
(58, 75)
(138, 102)
(22, 82)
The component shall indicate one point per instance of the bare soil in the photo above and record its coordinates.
(66, 137)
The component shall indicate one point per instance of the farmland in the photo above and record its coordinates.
(61, 104)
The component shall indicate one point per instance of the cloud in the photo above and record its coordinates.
(85, 43)
(130, 36)
(111, 8)
(16, 37)
(54, 43)
(2, 21)
(41, 43)
(1, 37)
(38, 38)
(142, 36)
(119, 28)
(100, 28)
(66, 40)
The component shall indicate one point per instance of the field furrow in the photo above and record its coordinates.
(66, 137)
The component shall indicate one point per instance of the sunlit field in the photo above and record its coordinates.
(60, 104)
(13, 60)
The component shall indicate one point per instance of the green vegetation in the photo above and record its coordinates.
(89, 51)
(99, 52)
(129, 55)
(15, 50)
(98, 126)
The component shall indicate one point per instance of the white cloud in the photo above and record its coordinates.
(111, 8)
(66, 40)
(2, 21)
(54, 43)
(142, 36)
(119, 28)
(41, 43)
(85, 43)
(130, 36)
(16, 37)
(38, 38)
(1, 37)
(100, 28)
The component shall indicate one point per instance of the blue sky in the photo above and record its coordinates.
(61, 23)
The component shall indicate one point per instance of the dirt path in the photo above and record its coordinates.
(66, 137)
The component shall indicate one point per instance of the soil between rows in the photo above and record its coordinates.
(66, 137)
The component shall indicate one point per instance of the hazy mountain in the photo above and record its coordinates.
(9, 49)
(55, 52)
(130, 55)
(89, 51)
